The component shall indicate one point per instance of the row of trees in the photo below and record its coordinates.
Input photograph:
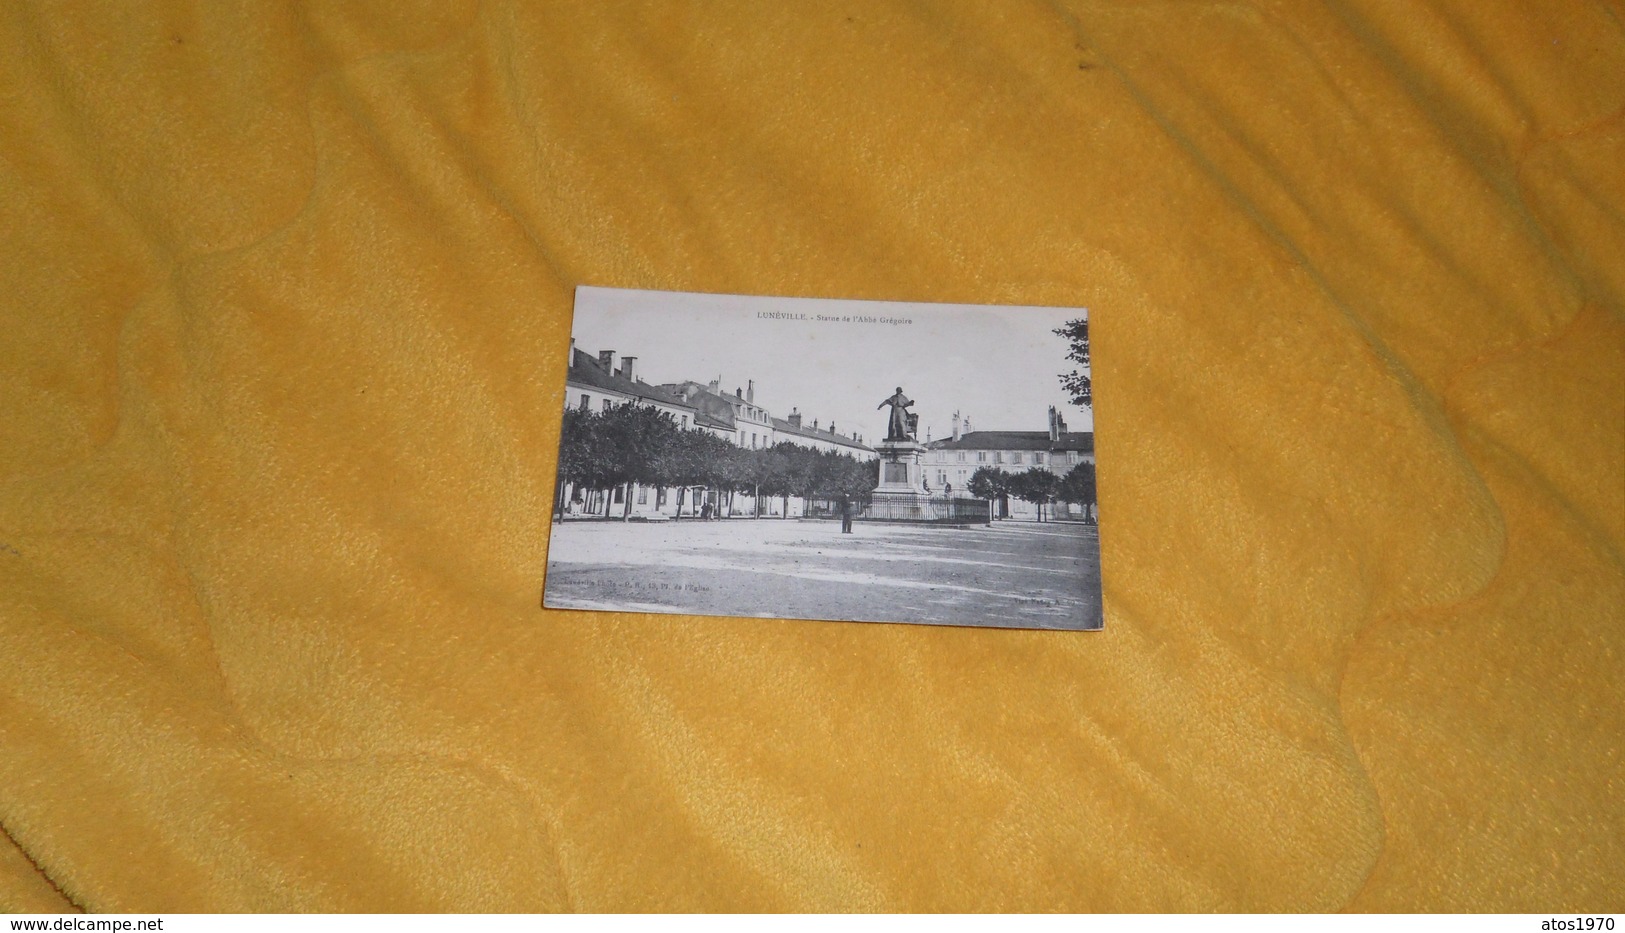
(1037, 485)
(638, 444)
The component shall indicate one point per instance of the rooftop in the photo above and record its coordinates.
(784, 427)
(585, 370)
(705, 419)
(718, 412)
(1083, 441)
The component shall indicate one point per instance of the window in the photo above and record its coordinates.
(1015, 458)
(606, 404)
(643, 495)
(981, 456)
(1038, 457)
(961, 456)
(998, 456)
(585, 401)
(684, 420)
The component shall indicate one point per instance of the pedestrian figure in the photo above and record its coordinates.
(846, 516)
(705, 513)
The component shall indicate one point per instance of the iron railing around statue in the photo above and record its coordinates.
(930, 510)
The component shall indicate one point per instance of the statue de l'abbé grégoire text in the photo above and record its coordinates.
(900, 427)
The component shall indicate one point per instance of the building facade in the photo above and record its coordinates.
(594, 383)
(793, 430)
(951, 462)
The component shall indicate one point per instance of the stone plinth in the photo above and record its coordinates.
(900, 469)
(901, 494)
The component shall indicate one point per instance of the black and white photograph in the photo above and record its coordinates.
(822, 459)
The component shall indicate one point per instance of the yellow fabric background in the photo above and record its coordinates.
(286, 295)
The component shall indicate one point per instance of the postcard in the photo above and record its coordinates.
(799, 458)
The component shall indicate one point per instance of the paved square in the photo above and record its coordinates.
(1013, 574)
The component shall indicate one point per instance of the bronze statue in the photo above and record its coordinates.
(897, 429)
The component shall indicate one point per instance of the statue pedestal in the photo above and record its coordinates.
(901, 495)
(900, 468)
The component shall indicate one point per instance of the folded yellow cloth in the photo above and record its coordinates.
(285, 304)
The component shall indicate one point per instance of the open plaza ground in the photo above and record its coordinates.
(1010, 574)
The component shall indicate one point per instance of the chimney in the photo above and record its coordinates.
(750, 391)
(928, 434)
(626, 365)
(572, 352)
(606, 359)
(956, 425)
(794, 418)
(1060, 423)
(832, 427)
(815, 424)
(738, 392)
(967, 424)
(716, 386)
(1054, 425)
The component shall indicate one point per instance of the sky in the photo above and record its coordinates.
(998, 365)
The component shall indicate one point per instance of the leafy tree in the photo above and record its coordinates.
(848, 481)
(740, 471)
(992, 484)
(578, 453)
(634, 444)
(688, 463)
(1078, 486)
(629, 444)
(775, 474)
(590, 454)
(846, 476)
(1076, 383)
(1037, 486)
(643, 444)
(988, 483)
(808, 477)
(712, 458)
